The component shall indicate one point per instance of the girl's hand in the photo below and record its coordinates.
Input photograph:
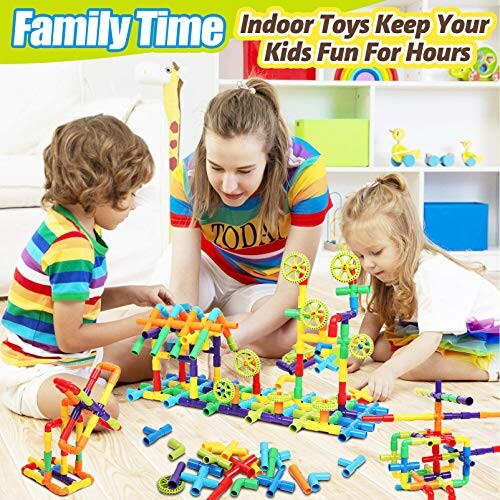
(149, 296)
(380, 382)
(354, 364)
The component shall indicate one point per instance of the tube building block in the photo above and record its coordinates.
(275, 483)
(178, 449)
(350, 467)
(152, 435)
(315, 477)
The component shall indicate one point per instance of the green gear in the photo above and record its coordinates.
(325, 404)
(314, 314)
(247, 363)
(295, 267)
(224, 390)
(162, 485)
(361, 346)
(279, 397)
(345, 267)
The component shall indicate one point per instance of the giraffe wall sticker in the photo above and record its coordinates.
(169, 76)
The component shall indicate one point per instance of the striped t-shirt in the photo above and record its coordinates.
(61, 262)
(230, 236)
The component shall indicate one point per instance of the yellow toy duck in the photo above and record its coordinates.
(469, 159)
(400, 153)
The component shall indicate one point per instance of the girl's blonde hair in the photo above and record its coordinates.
(385, 207)
(92, 161)
(250, 109)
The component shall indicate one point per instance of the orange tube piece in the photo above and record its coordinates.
(296, 473)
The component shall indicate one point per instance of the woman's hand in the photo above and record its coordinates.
(149, 296)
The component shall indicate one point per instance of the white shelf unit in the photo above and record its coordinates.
(435, 111)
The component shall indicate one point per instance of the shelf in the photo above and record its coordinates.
(414, 170)
(395, 86)
(467, 4)
(489, 258)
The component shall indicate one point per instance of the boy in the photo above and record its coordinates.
(93, 167)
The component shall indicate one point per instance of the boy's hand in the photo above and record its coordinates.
(149, 296)
(354, 364)
(380, 382)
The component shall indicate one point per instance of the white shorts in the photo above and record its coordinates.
(19, 385)
(217, 289)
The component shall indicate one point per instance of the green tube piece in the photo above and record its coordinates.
(243, 482)
(335, 416)
(211, 408)
(210, 458)
(231, 343)
(298, 391)
(178, 449)
(176, 350)
(136, 348)
(202, 338)
(162, 337)
(273, 456)
(292, 313)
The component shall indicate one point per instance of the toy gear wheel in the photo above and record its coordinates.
(361, 346)
(295, 267)
(224, 390)
(345, 267)
(162, 485)
(325, 404)
(314, 314)
(246, 363)
(279, 397)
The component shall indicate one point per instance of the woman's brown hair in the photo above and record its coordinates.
(94, 160)
(249, 109)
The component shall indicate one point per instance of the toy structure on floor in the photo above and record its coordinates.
(195, 332)
(50, 468)
(436, 469)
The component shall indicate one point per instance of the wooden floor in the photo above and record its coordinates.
(124, 468)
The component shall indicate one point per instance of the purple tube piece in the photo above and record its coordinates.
(192, 403)
(233, 410)
(346, 316)
(276, 419)
(285, 366)
(64, 479)
(193, 368)
(432, 477)
(438, 390)
(216, 347)
(175, 479)
(462, 415)
(151, 334)
(350, 414)
(184, 359)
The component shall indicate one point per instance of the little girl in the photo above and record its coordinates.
(441, 318)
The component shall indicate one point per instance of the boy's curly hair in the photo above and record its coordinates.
(93, 161)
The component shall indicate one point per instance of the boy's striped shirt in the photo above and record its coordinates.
(61, 262)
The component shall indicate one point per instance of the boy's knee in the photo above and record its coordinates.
(113, 407)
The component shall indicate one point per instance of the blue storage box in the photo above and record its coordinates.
(457, 225)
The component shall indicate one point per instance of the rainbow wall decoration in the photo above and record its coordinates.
(366, 74)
